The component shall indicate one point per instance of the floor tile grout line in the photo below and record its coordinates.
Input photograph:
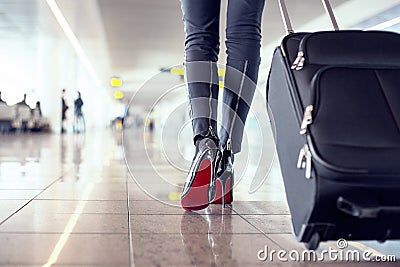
(37, 195)
(131, 256)
(257, 228)
(197, 214)
(61, 232)
(81, 234)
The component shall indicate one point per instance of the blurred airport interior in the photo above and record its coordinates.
(108, 172)
(107, 50)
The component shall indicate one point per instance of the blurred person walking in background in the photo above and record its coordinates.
(79, 120)
(64, 108)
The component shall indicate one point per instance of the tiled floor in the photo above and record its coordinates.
(75, 200)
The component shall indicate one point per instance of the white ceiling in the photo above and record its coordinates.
(145, 35)
(135, 38)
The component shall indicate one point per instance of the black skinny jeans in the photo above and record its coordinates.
(243, 40)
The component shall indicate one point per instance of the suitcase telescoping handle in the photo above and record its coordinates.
(288, 24)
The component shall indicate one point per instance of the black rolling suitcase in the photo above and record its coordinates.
(334, 102)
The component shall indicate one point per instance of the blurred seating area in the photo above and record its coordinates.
(22, 118)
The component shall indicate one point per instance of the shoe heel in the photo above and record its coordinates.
(223, 190)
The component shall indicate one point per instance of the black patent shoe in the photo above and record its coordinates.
(196, 191)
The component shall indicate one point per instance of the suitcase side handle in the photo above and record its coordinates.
(288, 24)
(364, 211)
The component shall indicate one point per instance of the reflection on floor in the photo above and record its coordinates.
(70, 200)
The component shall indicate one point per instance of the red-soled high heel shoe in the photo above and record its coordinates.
(196, 191)
(224, 178)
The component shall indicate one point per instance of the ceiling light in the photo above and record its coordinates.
(385, 25)
(73, 40)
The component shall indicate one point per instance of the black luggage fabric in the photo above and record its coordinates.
(334, 102)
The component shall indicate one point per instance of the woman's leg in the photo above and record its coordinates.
(243, 41)
(201, 20)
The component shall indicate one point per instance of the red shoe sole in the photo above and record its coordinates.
(218, 193)
(197, 197)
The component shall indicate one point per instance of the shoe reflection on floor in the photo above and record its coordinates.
(211, 243)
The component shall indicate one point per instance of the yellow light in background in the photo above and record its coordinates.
(118, 94)
(118, 125)
(116, 82)
(174, 196)
(177, 71)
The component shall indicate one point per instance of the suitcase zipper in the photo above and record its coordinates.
(305, 156)
(307, 119)
(303, 47)
(300, 60)
(315, 89)
(298, 63)
(305, 160)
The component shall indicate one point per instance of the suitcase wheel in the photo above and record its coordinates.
(313, 243)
